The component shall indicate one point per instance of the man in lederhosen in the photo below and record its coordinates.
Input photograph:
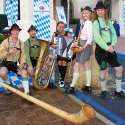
(32, 47)
(106, 39)
(12, 52)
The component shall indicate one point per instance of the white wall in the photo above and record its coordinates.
(82, 3)
(117, 13)
(27, 17)
(2, 6)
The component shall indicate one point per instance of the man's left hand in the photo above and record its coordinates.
(51, 56)
(20, 67)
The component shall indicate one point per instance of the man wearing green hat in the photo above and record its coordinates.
(32, 47)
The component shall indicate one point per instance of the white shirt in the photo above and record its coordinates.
(87, 32)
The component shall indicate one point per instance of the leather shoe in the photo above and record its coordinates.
(52, 86)
(104, 94)
(87, 88)
(121, 93)
(69, 90)
(35, 88)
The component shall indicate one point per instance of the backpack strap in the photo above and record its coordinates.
(106, 29)
(35, 46)
(29, 46)
(99, 27)
(20, 49)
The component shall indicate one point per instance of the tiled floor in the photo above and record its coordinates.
(13, 111)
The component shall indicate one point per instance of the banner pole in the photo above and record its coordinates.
(68, 2)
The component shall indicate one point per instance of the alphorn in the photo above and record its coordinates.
(86, 113)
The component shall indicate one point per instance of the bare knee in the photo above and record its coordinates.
(3, 72)
(104, 71)
(119, 69)
(24, 73)
(30, 71)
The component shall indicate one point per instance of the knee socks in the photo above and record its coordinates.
(118, 83)
(102, 82)
(62, 70)
(74, 80)
(88, 77)
(25, 83)
(7, 80)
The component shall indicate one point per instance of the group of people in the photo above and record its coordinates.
(98, 29)
(20, 57)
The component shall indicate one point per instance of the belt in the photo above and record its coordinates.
(34, 58)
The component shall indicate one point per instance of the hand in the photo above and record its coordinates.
(13, 51)
(80, 48)
(54, 46)
(20, 67)
(111, 50)
(51, 56)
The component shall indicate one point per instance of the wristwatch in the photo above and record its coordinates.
(83, 48)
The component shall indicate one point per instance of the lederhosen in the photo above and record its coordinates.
(59, 58)
(103, 57)
(11, 66)
(33, 59)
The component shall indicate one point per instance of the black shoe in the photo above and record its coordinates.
(68, 59)
(52, 86)
(69, 90)
(24, 100)
(87, 88)
(104, 94)
(35, 88)
(121, 93)
(8, 92)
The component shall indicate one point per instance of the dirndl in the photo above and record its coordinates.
(83, 56)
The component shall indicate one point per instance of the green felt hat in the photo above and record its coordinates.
(88, 8)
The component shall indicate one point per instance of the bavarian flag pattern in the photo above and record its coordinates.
(11, 11)
(42, 19)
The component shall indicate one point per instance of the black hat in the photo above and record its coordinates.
(88, 8)
(32, 28)
(100, 5)
(15, 26)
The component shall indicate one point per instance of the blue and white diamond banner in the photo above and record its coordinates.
(42, 19)
(12, 11)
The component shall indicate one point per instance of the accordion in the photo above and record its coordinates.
(64, 44)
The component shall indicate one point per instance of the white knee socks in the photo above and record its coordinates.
(7, 80)
(25, 83)
(118, 83)
(102, 82)
(88, 77)
(75, 78)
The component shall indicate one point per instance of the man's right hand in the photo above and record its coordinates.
(111, 50)
(13, 51)
(54, 46)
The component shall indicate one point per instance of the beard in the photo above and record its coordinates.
(33, 36)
